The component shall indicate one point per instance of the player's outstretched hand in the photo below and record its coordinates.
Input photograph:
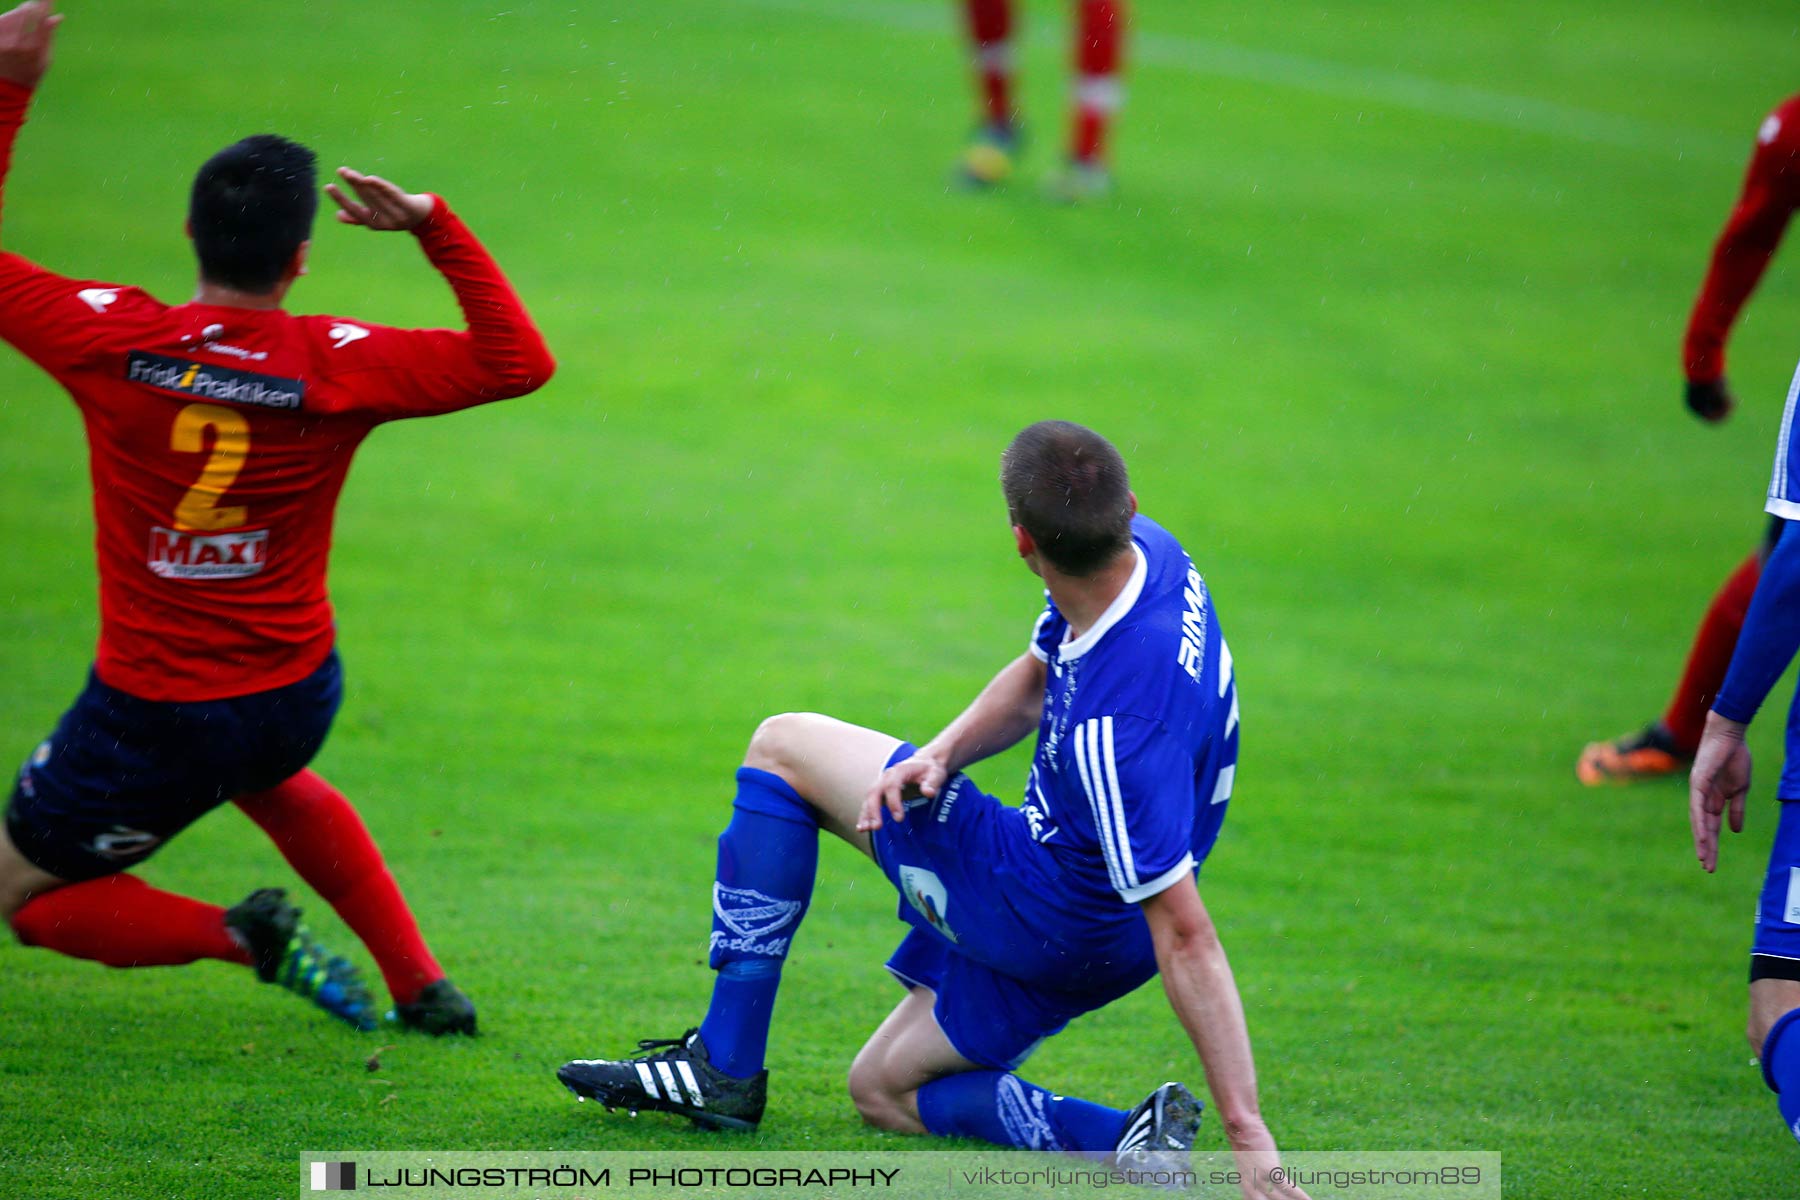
(1718, 783)
(1261, 1175)
(26, 35)
(920, 775)
(383, 205)
(1712, 401)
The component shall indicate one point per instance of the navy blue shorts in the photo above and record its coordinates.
(1775, 954)
(1009, 965)
(121, 775)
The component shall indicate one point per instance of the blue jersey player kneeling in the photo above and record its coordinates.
(1022, 918)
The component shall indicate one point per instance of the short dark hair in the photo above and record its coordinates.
(253, 204)
(1066, 486)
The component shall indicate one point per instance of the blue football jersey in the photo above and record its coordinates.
(1137, 746)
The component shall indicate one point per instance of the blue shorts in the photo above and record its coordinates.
(1009, 967)
(1775, 954)
(121, 775)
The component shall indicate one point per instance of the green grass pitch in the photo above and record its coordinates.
(1386, 320)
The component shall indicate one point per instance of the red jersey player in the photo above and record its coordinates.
(1771, 194)
(219, 434)
(992, 150)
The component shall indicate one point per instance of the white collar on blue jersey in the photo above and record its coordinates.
(1115, 612)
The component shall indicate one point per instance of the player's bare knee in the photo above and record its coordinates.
(15, 893)
(11, 900)
(866, 1080)
(17, 882)
(771, 747)
(1762, 1019)
(1770, 1001)
(875, 1100)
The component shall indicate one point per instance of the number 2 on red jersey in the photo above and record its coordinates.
(199, 509)
(196, 546)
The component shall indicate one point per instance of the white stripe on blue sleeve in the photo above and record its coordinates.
(1780, 503)
(1092, 783)
(1161, 883)
(1116, 804)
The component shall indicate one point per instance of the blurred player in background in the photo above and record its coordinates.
(219, 434)
(1771, 194)
(993, 149)
(1720, 782)
(1022, 919)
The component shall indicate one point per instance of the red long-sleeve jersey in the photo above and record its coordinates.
(1752, 233)
(219, 439)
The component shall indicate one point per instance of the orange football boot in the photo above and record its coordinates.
(1650, 753)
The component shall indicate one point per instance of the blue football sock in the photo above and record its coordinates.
(1781, 1067)
(1002, 1108)
(768, 857)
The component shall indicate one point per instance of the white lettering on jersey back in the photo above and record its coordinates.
(1192, 654)
(1062, 702)
(343, 333)
(1792, 916)
(98, 299)
(231, 351)
(1037, 810)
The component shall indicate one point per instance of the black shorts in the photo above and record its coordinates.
(121, 775)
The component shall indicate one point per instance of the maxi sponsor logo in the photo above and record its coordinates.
(178, 555)
(185, 377)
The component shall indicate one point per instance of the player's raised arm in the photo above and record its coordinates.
(1198, 981)
(379, 204)
(500, 355)
(1003, 714)
(47, 317)
(1749, 240)
(27, 35)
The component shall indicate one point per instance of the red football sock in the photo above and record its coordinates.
(327, 844)
(124, 922)
(1707, 662)
(990, 28)
(1099, 34)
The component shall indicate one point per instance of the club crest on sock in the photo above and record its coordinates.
(750, 915)
(1022, 1112)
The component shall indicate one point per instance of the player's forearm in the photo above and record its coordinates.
(15, 102)
(1770, 636)
(506, 344)
(1198, 981)
(1006, 711)
(1738, 262)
